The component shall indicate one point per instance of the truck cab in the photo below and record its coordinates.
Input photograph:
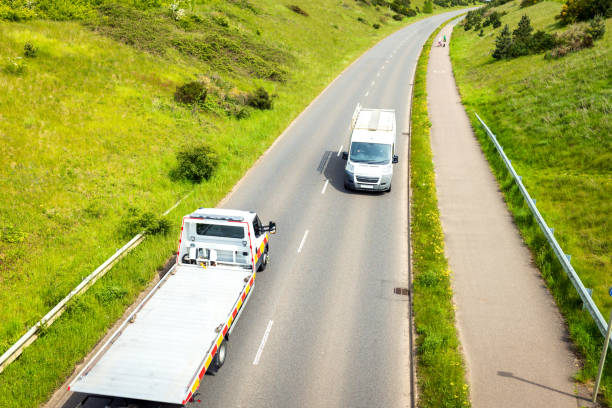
(231, 237)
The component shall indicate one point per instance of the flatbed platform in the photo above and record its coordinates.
(158, 355)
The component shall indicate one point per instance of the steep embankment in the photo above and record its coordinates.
(551, 115)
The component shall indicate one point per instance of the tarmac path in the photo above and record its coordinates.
(516, 345)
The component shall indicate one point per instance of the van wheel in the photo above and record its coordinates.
(389, 190)
(264, 260)
(346, 186)
(219, 358)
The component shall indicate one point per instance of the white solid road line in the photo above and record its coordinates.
(325, 186)
(263, 342)
(303, 240)
(367, 93)
(340, 150)
(373, 82)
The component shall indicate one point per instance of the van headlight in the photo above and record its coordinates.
(349, 167)
(388, 169)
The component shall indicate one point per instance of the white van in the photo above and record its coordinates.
(371, 152)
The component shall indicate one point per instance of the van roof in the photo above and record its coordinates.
(374, 126)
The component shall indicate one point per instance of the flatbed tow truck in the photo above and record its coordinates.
(181, 328)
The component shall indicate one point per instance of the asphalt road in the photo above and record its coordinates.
(335, 333)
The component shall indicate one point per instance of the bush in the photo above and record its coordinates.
(15, 12)
(15, 66)
(191, 93)
(492, 19)
(362, 20)
(196, 163)
(542, 41)
(260, 99)
(583, 10)
(596, 28)
(29, 50)
(298, 10)
(527, 3)
(572, 40)
(397, 17)
(428, 7)
(376, 26)
(136, 221)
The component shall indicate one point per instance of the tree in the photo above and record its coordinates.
(521, 37)
(428, 7)
(503, 43)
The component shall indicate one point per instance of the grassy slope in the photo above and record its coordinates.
(90, 129)
(441, 373)
(553, 119)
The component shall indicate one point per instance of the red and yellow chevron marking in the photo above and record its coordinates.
(261, 248)
(226, 327)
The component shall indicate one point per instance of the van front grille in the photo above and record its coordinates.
(362, 179)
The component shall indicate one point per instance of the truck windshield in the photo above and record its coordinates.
(371, 153)
(216, 230)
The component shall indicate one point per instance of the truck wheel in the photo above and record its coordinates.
(264, 260)
(219, 358)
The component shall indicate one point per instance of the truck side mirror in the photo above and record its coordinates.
(271, 227)
(344, 155)
(395, 159)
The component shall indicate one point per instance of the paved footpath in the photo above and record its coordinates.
(515, 343)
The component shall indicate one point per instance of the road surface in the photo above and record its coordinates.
(324, 327)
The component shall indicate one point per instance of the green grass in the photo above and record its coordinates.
(89, 129)
(441, 373)
(553, 119)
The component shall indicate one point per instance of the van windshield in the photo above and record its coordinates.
(371, 153)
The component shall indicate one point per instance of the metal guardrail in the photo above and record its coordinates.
(563, 258)
(16, 349)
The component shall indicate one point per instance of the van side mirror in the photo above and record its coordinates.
(271, 227)
(344, 155)
(395, 159)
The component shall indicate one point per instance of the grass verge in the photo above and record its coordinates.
(440, 367)
(551, 117)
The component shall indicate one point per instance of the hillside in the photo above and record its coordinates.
(90, 132)
(552, 116)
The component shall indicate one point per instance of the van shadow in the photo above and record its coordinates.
(334, 172)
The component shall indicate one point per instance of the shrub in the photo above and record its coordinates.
(596, 28)
(15, 13)
(376, 26)
(298, 10)
(527, 3)
(428, 7)
(29, 50)
(137, 221)
(191, 93)
(572, 40)
(362, 20)
(583, 10)
(196, 163)
(15, 66)
(397, 17)
(260, 99)
(492, 19)
(542, 41)
(481, 33)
